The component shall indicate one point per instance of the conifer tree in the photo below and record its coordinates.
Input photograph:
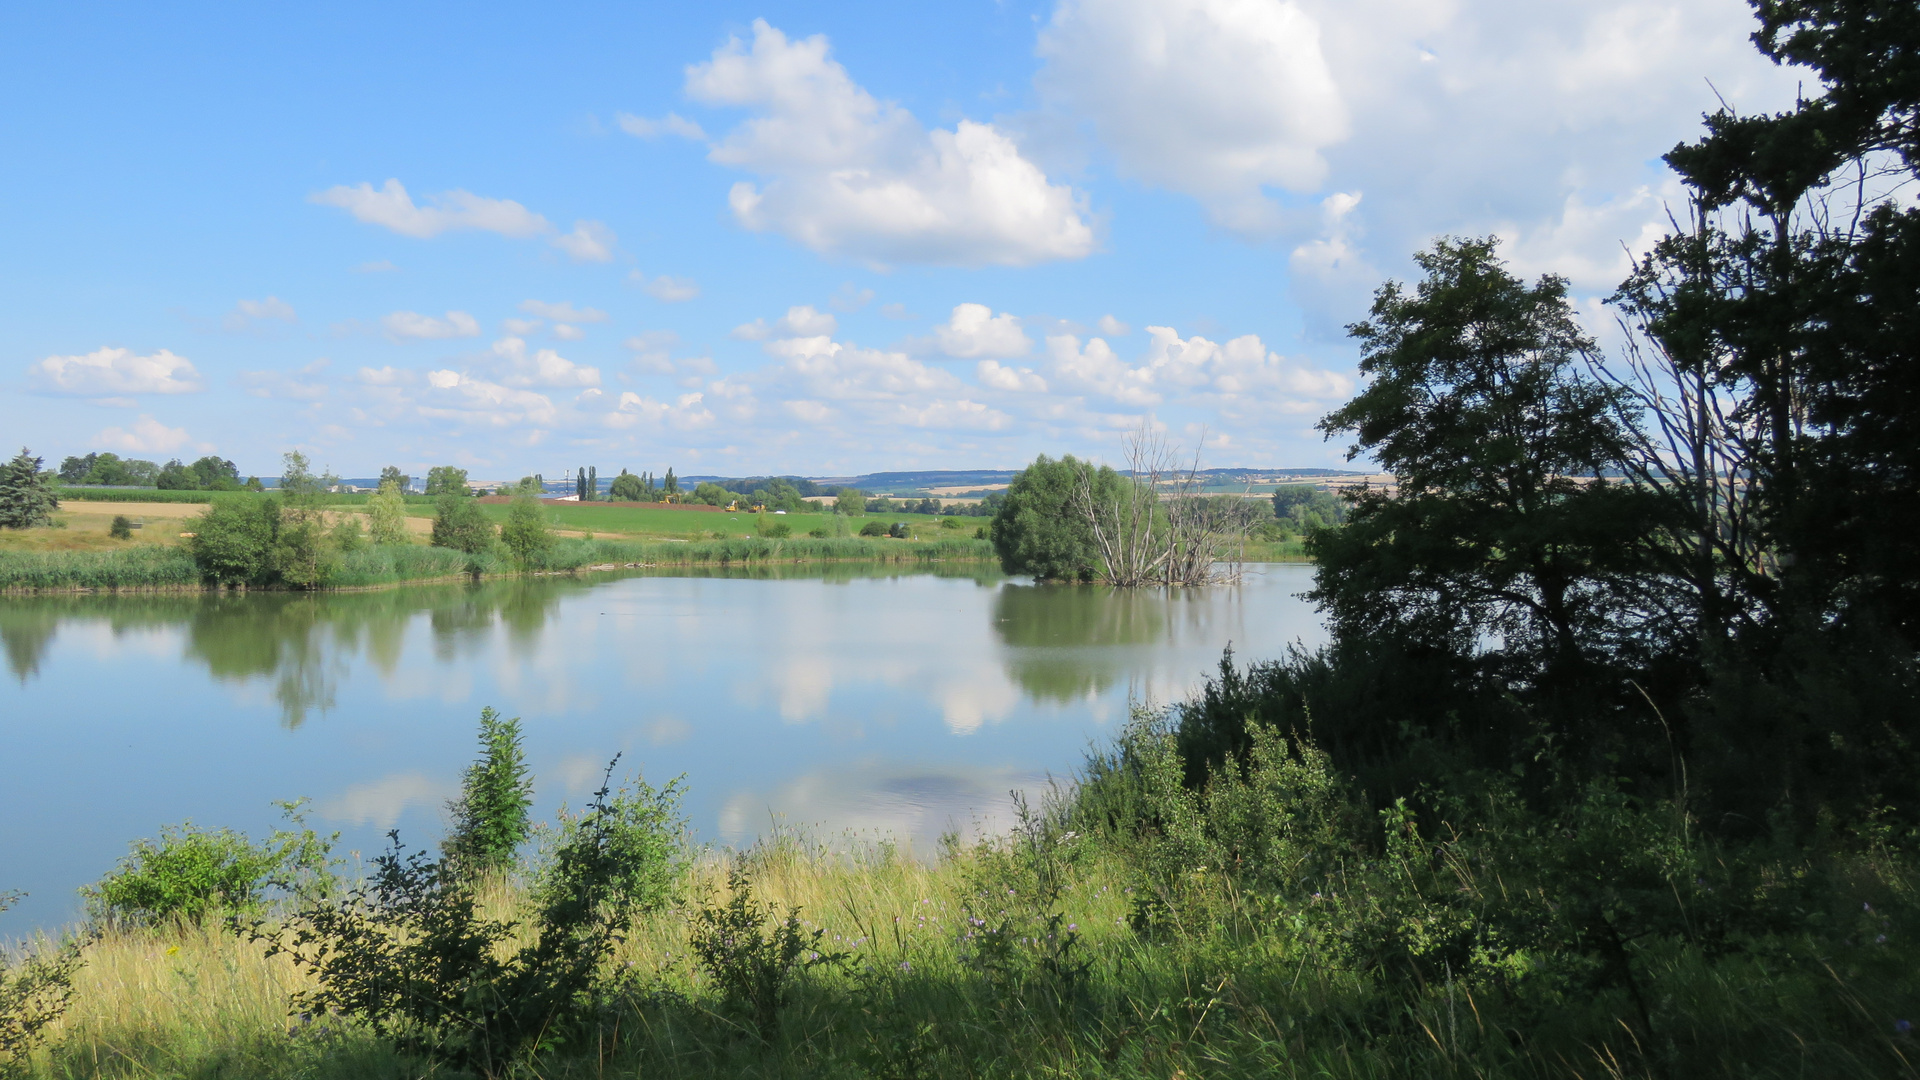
(26, 500)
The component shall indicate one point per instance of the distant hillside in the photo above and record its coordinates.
(898, 483)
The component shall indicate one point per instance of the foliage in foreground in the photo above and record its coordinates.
(191, 874)
(490, 819)
(414, 958)
(34, 991)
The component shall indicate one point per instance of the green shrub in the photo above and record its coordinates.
(874, 528)
(33, 993)
(189, 874)
(951, 523)
(646, 836)
(460, 525)
(817, 534)
(233, 542)
(121, 528)
(347, 534)
(411, 956)
(490, 819)
(774, 530)
(525, 534)
(754, 968)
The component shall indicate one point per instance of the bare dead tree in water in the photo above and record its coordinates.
(1154, 525)
(1123, 512)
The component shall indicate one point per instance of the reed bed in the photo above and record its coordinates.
(136, 566)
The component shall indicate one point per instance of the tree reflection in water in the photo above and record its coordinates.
(304, 644)
(1061, 639)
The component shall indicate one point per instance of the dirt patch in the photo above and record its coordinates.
(134, 510)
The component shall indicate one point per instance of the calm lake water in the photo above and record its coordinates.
(882, 703)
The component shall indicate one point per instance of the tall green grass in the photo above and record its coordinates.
(392, 564)
(142, 566)
(1253, 989)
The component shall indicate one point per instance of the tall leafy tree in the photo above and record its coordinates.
(216, 474)
(175, 476)
(74, 469)
(1504, 526)
(26, 499)
(392, 474)
(446, 480)
(1796, 288)
(1038, 529)
(627, 488)
(461, 525)
(387, 514)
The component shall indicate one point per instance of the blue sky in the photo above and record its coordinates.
(805, 238)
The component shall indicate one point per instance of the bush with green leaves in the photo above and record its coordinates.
(460, 524)
(233, 541)
(753, 953)
(121, 528)
(1039, 531)
(34, 991)
(190, 874)
(874, 528)
(647, 836)
(412, 956)
(387, 513)
(490, 819)
(525, 535)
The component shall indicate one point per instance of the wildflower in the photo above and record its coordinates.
(1903, 1026)
(1073, 926)
(906, 967)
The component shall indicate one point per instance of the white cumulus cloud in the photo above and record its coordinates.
(846, 174)
(544, 367)
(391, 207)
(590, 241)
(458, 397)
(670, 124)
(992, 373)
(799, 321)
(106, 372)
(1214, 98)
(412, 324)
(247, 312)
(145, 436)
(666, 289)
(563, 311)
(975, 331)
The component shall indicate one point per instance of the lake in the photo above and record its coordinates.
(839, 700)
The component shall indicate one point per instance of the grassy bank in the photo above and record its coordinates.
(1010, 961)
(161, 566)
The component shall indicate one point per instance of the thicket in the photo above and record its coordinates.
(189, 874)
